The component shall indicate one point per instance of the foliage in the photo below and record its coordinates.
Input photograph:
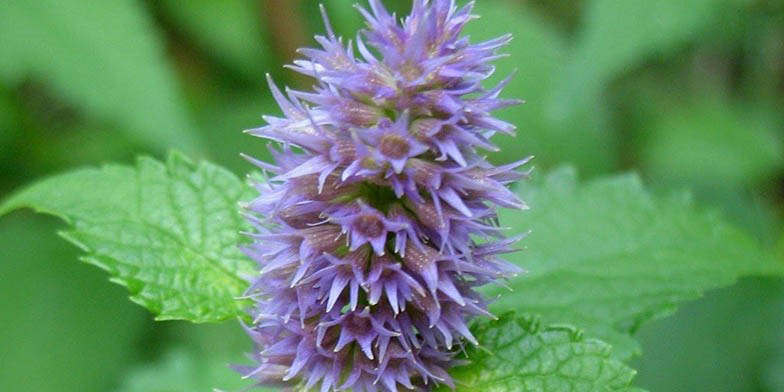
(61, 313)
(229, 30)
(181, 370)
(608, 256)
(519, 354)
(132, 87)
(581, 137)
(684, 92)
(169, 232)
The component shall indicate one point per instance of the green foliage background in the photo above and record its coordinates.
(686, 92)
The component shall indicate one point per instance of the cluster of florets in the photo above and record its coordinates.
(379, 220)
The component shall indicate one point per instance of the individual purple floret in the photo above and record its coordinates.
(378, 221)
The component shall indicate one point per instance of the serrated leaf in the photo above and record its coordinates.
(539, 52)
(169, 232)
(520, 355)
(103, 57)
(230, 30)
(608, 256)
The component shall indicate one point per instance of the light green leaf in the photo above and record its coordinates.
(608, 256)
(520, 355)
(539, 52)
(183, 370)
(104, 57)
(169, 232)
(230, 30)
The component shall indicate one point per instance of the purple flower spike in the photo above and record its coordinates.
(378, 220)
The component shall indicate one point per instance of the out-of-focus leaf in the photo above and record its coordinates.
(619, 35)
(7, 118)
(775, 375)
(183, 370)
(721, 149)
(64, 328)
(74, 146)
(710, 141)
(104, 57)
(520, 355)
(724, 342)
(223, 120)
(538, 53)
(230, 30)
(608, 256)
(347, 21)
(169, 232)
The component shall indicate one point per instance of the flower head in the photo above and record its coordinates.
(379, 219)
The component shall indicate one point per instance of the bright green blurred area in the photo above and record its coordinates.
(688, 92)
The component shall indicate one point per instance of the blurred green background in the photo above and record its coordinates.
(687, 92)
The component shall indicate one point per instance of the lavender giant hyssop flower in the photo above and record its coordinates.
(379, 221)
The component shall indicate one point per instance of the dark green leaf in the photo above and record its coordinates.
(231, 30)
(617, 36)
(104, 57)
(222, 122)
(169, 232)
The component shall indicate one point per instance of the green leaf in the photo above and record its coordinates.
(709, 328)
(103, 57)
(608, 256)
(230, 30)
(65, 329)
(713, 142)
(197, 359)
(775, 376)
(221, 120)
(617, 36)
(183, 370)
(8, 118)
(538, 52)
(169, 232)
(521, 355)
